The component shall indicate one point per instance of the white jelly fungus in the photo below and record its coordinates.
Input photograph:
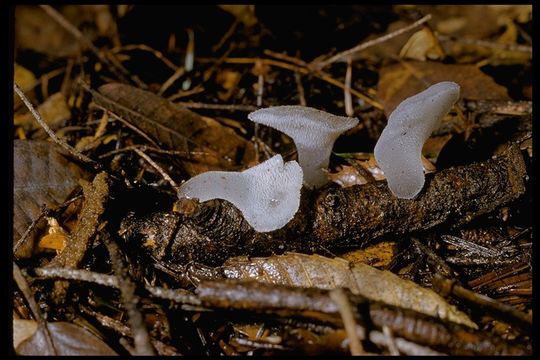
(268, 195)
(399, 148)
(313, 132)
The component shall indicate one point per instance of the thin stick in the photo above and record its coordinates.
(305, 71)
(44, 212)
(158, 168)
(205, 106)
(81, 38)
(390, 341)
(126, 123)
(27, 292)
(51, 133)
(180, 296)
(177, 74)
(158, 54)
(347, 315)
(367, 44)
(130, 300)
(300, 89)
(291, 59)
(347, 91)
(226, 36)
(153, 149)
(181, 93)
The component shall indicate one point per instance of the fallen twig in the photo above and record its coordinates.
(21, 282)
(305, 71)
(447, 287)
(347, 316)
(162, 172)
(367, 44)
(130, 300)
(179, 296)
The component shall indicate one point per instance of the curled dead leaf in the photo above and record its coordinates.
(54, 111)
(302, 270)
(22, 330)
(422, 45)
(67, 338)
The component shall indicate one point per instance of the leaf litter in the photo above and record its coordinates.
(154, 110)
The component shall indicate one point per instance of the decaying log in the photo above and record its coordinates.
(330, 218)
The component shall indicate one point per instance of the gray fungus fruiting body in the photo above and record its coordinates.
(399, 148)
(268, 195)
(313, 132)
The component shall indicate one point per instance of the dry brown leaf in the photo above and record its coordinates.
(22, 330)
(243, 13)
(434, 145)
(399, 81)
(178, 128)
(472, 21)
(26, 81)
(36, 30)
(478, 22)
(422, 45)
(372, 166)
(68, 339)
(317, 271)
(54, 111)
(519, 13)
(42, 176)
(24, 78)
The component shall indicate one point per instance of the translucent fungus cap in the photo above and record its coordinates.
(313, 132)
(268, 195)
(399, 148)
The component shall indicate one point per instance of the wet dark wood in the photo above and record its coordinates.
(332, 218)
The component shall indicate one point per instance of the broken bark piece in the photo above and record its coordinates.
(316, 304)
(332, 218)
(96, 195)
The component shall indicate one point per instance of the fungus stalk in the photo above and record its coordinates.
(313, 132)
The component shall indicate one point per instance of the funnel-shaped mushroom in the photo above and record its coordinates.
(313, 132)
(268, 195)
(399, 148)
